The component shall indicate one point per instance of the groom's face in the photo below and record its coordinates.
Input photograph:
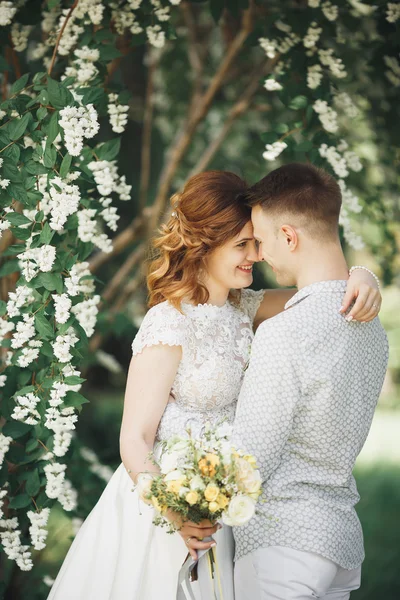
(272, 246)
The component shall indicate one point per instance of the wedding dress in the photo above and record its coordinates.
(118, 554)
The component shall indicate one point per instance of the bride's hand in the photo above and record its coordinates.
(363, 290)
(192, 533)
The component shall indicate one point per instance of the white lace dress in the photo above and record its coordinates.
(118, 554)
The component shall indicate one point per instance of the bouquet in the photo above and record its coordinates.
(203, 478)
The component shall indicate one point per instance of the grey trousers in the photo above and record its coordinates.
(280, 573)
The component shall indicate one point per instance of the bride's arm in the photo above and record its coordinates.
(150, 377)
(362, 289)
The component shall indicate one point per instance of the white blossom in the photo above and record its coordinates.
(331, 11)
(343, 102)
(108, 361)
(23, 295)
(88, 230)
(62, 422)
(7, 12)
(12, 546)
(62, 304)
(86, 314)
(111, 217)
(68, 497)
(78, 123)
(312, 36)
(37, 529)
(269, 46)
(25, 409)
(314, 3)
(55, 476)
(34, 260)
(75, 284)
(337, 162)
(102, 471)
(392, 12)
(393, 74)
(274, 150)
(353, 161)
(335, 64)
(29, 353)
(63, 343)
(24, 331)
(3, 494)
(106, 176)
(156, 36)
(19, 36)
(3, 379)
(118, 113)
(5, 442)
(83, 68)
(314, 76)
(272, 85)
(327, 115)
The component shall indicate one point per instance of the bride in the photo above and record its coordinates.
(189, 357)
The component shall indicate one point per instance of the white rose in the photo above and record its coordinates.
(196, 483)
(223, 431)
(239, 512)
(174, 476)
(169, 462)
(252, 483)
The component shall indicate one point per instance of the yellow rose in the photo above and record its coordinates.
(213, 507)
(192, 497)
(222, 500)
(211, 492)
(175, 486)
(208, 463)
(157, 505)
(251, 460)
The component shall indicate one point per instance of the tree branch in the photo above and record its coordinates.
(184, 140)
(235, 112)
(146, 136)
(123, 272)
(53, 59)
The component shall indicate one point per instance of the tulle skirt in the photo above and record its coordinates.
(118, 554)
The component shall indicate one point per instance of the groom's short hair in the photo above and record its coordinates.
(303, 190)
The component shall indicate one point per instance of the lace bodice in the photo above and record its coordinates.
(215, 343)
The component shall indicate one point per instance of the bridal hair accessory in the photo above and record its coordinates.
(368, 271)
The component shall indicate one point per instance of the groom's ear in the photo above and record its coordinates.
(291, 237)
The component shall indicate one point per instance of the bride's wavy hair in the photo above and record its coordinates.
(209, 211)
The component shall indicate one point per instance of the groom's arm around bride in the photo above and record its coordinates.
(307, 401)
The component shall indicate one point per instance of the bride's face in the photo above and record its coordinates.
(231, 265)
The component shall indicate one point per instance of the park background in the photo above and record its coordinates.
(192, 95)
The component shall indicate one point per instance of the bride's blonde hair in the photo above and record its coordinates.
(210, 210)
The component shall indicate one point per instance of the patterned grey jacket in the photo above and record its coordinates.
(305, 410)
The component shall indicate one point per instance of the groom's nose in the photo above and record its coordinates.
(252, 255)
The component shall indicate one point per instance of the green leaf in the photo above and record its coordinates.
(216, 9)
(304, 146)
(3, 308)
(43, 326)
(47, 233)
(52, 128)
(50, 281)
(41, 113)
(18, 192)
(59, 96)
(15, 429)
(109, 150)
(73, 380)
(109, 52)
(11, 266)
(93, 95)
(32, 485)
(298, 102)
(20, 501)
(13, 152)
(18, 219)
(282, 128)
(21, 234)
(19, 85)
(35, 168)
(17, 127)
(25, 390)
(269, 137)
(65, 165)
(47, 350)
(31, 444)
(49, 157)
(11, 171)
(74, 399)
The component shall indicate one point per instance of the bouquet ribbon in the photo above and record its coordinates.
(209, 575)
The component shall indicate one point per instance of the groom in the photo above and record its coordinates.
(307, 400)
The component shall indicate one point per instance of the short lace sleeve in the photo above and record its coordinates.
(163, 324)
(250, 302)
